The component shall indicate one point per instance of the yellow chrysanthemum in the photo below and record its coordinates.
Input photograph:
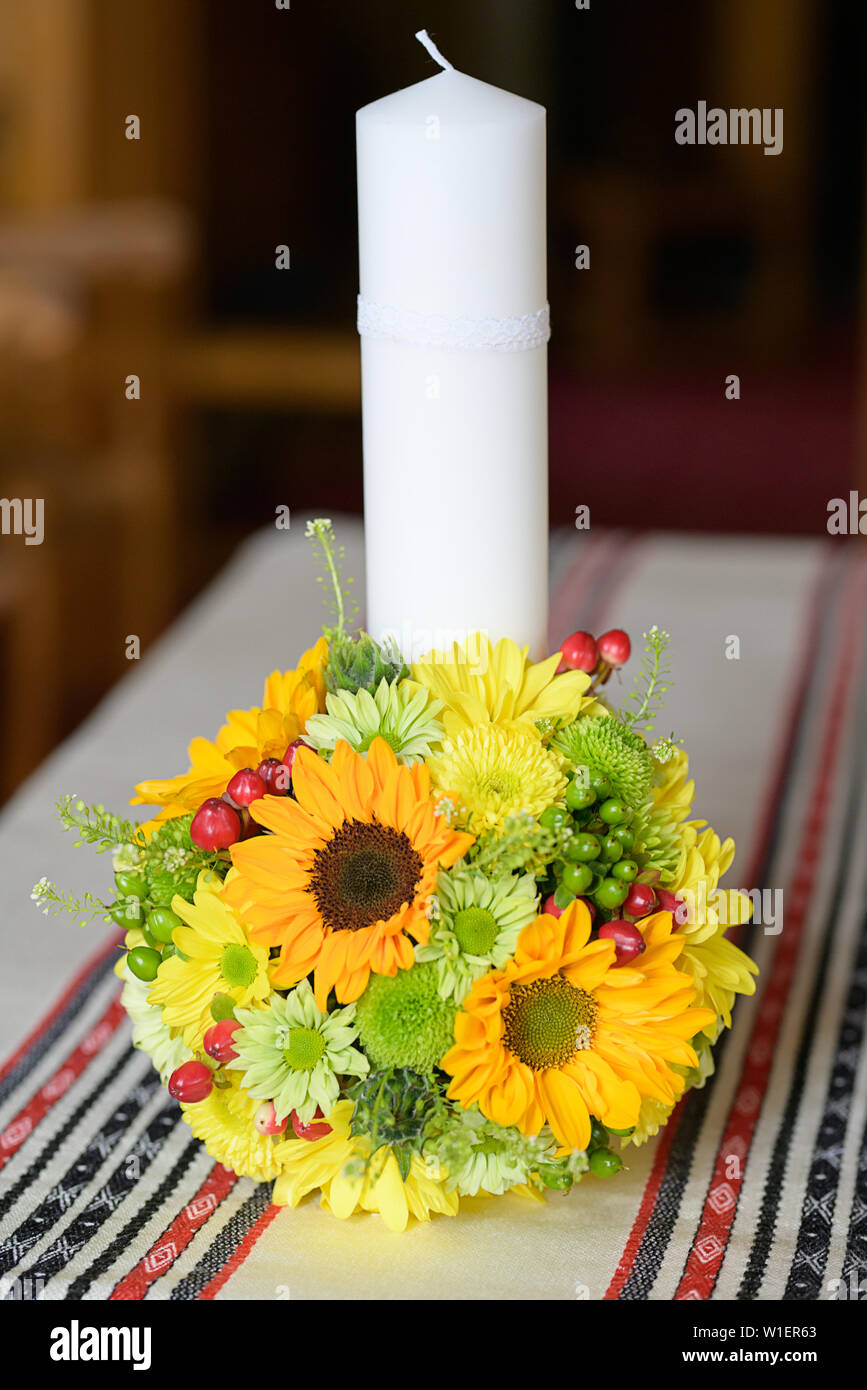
(703, 861)
(342, 883)
(376, 1187)
(493, 771)
(479, 683)
(224, 1123)
(674, 792)
(248, 736)
(562, 1033)
(720, 971)
(220, 959)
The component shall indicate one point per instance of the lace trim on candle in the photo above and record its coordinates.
(438, 331)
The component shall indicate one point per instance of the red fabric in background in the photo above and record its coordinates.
(676, 453)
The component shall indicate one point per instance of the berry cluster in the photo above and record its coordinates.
(598, 656)
(222, 821)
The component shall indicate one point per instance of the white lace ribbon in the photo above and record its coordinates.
(438, 331)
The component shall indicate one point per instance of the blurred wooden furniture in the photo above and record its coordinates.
(758, 56)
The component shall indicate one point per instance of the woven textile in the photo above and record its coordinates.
(757, 1189)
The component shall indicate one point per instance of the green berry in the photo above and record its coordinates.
(614, 812)
(222, 1006)
(622, 1133)
(577, 877)
(598, 1134)
(625, 836)
(612, 849)
(558, 1179)
(162, 922)
(604, 1163)
(127, 912)
(578, 797)
(601, 785)
(583, 847)
(131, 885)
(554, 818)
(626, 870)
(144, 962)
(610, 893)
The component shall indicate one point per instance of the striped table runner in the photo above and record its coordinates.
(757, 1189)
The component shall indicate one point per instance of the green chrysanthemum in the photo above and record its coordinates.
(403, 1022)
(292, 1054)
(402, 713)
(480, 1156)
(166, 1050)
(476, 926)
(606, 745)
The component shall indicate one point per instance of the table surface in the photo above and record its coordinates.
(757, 1188)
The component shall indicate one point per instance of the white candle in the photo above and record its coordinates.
(451, 211)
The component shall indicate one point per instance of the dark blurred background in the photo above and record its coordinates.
(156, 257)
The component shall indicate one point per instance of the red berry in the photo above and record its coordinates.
(311, 1130)
(191, 1082)
(246, 786)
(579, 652)
(215, 825)
(615, 647)
(628, 941)
(550, 907)
(275, 775)
(266, 1120)
(218, 1040)
(639, 901)
(670, 902)
(291, 751)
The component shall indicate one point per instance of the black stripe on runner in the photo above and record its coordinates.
(224, 1244)
(23, 1181)
(105, 1202)
(34, 1054)
(814, 1233)
(855, 1258)
(106, 1258)
(77, 1177)
(663, 1218)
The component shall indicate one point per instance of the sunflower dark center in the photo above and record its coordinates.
(364, 874)
(547, 1021)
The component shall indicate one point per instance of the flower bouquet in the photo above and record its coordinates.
(407, 934)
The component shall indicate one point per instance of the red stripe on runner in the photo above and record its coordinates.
(651, 1192)
(709, 1244)
(654, 1181)
(176, 1237)
(240, 1254)
(92, 963)
(22, 1126)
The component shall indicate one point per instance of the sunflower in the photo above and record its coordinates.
(496, 771)
(215, 956)
(248, 736)
(224, 1123)
(342, 882)
(292, 1054)
(476, 924)
(479, 683)
(402, 713)
(337, 1164)
(562, 1033)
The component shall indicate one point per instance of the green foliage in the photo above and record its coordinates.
(396, 1107)
(330, 556)
(172, 863)
(360, 663)
(651, 683)
(96, 826)
(52, 901)
(605, 745)
(522, 846)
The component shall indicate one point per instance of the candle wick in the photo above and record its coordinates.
(427, 42)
